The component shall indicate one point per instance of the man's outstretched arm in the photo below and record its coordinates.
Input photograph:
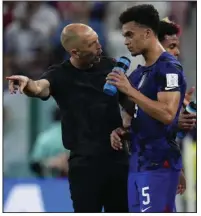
(38, 88)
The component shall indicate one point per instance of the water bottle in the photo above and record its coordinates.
(191, 108)
(123, 65)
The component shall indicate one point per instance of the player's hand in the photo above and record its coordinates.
(22, 83)
(115, 138)
(187, 121)
(188, 96)
(182, 184)
(119, 80)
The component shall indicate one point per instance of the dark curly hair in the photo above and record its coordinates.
(167, 28)
(145, 15)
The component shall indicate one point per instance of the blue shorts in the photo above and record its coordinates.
(152, 191)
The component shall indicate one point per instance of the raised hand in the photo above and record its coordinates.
(17, 83)
(188, 96)
(187, 121)
(119, 80)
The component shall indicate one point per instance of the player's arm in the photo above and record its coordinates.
(128, 107)
(127, 104)
(166, 106)
(188, 96)
(187, 121)
(164, 109)
(126, 118)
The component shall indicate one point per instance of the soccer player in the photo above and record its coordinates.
(97, 173)
(168, 35)
(158, 90)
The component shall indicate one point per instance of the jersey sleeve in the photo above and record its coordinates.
(134, 77)
(170, 77)
(51, 76)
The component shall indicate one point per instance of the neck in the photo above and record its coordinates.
(79, 64)
(153, 53)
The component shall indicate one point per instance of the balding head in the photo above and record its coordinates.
(82, 43)
(73, 34)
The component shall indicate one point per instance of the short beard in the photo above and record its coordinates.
(88, 56)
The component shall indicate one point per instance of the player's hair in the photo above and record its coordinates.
(145, 15)
(167, 28)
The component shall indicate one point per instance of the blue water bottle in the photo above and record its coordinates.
(191, 108)
(123, 65)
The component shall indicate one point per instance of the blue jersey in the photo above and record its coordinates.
(153, 143)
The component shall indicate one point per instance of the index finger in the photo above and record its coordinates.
(13, 78)
(117, 71)
(114, 73)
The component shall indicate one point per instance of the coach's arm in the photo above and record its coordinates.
(38, 88)
(42, 88)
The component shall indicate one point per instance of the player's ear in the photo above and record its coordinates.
(74, 53)
(147, 33)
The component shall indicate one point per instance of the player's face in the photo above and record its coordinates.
(136, 38)
(90, 49)
(171, 45)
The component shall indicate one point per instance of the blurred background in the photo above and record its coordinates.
(32, 146)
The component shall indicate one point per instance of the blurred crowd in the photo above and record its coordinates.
(31, 35)
(31, 42)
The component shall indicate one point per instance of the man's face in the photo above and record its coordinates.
(171, 45)
(136, 38)
(90, 49)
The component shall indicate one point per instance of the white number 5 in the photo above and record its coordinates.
(145, 195)
(136, 110)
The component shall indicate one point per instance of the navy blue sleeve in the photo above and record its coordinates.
(134, 77)
(130, 77)
(169, 77)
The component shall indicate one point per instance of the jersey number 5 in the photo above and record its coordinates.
(145, 195)
(135, 112)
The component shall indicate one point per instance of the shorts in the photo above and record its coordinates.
(153, 191)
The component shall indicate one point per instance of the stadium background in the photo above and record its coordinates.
(31, 42)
